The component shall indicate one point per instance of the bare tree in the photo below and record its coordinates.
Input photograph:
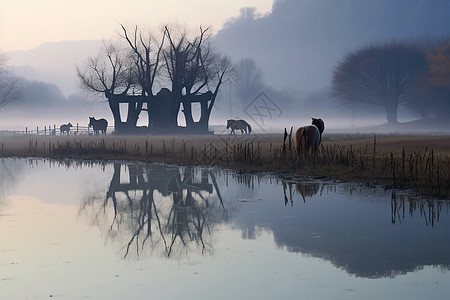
(384, 75)
(185, 67)
(9, 84)
(110, 72)
(249, 79)
(189, 64)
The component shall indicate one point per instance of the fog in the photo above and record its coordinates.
(301, 41)
(295, 47)
(44, 105)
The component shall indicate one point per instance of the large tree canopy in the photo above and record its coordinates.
(381, 75)
(162, 75)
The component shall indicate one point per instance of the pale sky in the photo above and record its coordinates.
(25, 24)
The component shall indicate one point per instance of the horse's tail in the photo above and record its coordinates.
(298, 140)
(305, 136)
(249, 128)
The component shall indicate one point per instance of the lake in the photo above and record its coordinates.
(119, 230)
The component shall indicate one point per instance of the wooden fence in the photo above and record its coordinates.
(53, 130)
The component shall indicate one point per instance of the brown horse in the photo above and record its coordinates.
(309, 137)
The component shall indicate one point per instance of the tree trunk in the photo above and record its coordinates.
(163, 112)
(391, 110)
(114, 106)
(187, 111)
(134, 110)
(203, 123)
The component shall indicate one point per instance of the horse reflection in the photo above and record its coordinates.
(304, 189)
(162, 205)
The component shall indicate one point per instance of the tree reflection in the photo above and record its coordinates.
(10, 169)
(162, 206)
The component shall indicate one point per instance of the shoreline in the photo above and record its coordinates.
(419, 162)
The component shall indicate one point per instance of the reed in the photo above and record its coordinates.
(373, 161)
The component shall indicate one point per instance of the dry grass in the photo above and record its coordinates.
(420, 162)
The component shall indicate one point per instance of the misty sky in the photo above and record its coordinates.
(296, 43)
(25, 24)
(301, 41)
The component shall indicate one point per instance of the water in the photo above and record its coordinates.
(74, 229)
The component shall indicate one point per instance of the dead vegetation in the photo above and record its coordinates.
(418, 162)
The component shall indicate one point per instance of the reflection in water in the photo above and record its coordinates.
(306, 189)
(10, 169)
(328, 240)
(170, 210)
(349, 225)
(362, 243)
(162, 206)
(428, 209)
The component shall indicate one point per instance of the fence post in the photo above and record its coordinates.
(26, 130)
(77, 129)
(37, 130)
(54, 128)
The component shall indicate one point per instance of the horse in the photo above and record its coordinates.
(241, 125)
(98, 125)
(309, 137)
(65, 129)
(319, 123)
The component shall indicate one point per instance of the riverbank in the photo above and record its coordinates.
(418, 162)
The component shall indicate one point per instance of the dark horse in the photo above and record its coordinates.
(309, 137)
(98, 125)
(65, 129)
(238, 125)
(320, 125)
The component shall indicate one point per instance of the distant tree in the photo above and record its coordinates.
(439, 66)
(9, 84)
(249, 79)
(439, 78)
(384, 75)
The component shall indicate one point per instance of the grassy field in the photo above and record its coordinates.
(419, 162)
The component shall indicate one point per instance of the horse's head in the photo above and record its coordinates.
(319, 124)
(229, 123)
(70, 125)
(91, 121)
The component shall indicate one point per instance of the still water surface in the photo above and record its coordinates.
(77, 229)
